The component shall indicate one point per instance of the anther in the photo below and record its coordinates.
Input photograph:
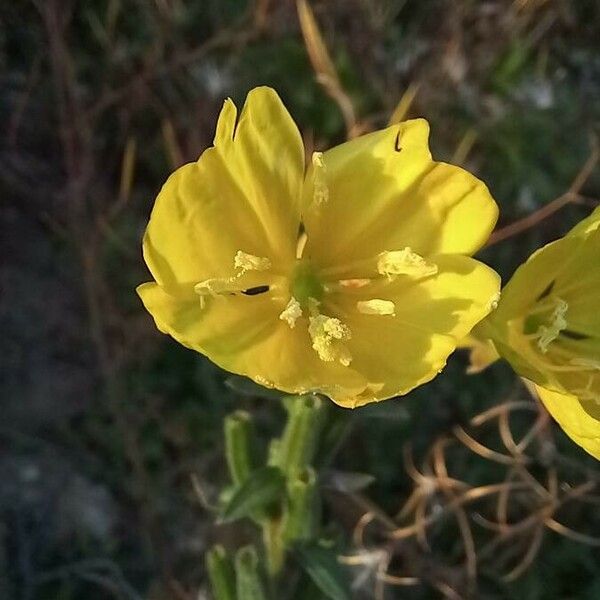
(328, 335)
(404, 262)
(249, 262)
(291, 313)
(376, 307)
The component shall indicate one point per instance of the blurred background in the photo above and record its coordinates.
(106, 424)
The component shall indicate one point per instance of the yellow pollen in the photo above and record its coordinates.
(321, 191)
(404, 262)
(291, 313)
(376, 307)
(546, 335)
(328, 335)
(249, 262)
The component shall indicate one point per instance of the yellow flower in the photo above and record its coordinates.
(579, 420)
(351, 279)
(547, 325)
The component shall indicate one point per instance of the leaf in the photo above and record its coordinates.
(262, 488)
(323, 568)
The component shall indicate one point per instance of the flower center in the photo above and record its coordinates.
(305, 284)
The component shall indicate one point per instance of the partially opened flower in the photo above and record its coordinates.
(547, 325)
(352, 278)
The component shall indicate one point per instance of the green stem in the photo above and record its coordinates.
(238, 445)
(302, 514)
(220, 574)
(248, 582)
(297, 446)
(273, 540)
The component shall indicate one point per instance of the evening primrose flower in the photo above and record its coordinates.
(350, 278)
(547, 325)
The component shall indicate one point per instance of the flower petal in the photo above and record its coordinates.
(589, 224)
(242, 194)
(244, 335)
(581, 423)
(219, 327)
(385, 193)
(431, 317)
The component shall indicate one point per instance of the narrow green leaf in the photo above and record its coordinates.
(323, 568)
(262, 488)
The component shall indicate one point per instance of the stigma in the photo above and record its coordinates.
(547, 334)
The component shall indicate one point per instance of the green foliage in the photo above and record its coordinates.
(138, 425)
(256, 495)
(322, 566)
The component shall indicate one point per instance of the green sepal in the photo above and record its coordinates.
(249, 585)
(239, 437)
(221, 574)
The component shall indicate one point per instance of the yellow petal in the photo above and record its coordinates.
(588, 225)
(581, 423)
(532, 279)
(219, 327)
(265, 156)
(241, 195)
(244, 335)
(385, 193)
(404, 350)
(482, 352)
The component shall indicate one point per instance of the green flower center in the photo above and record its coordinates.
(305, 283)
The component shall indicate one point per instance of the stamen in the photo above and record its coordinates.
(328, 335)
(586, 363)
(546, 335)
(587, 393)
(404, 262)
(212, 287)
(301, 244)
(321, 191)
(291, 313)
(249, 262)
(376, 307)
(354, 283)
